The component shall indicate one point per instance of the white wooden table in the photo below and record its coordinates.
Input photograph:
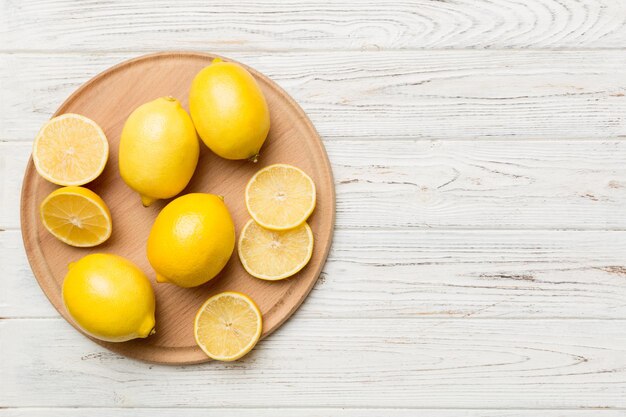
(479, 260)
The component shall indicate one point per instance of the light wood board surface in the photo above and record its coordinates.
(478, 266)
(109, 99)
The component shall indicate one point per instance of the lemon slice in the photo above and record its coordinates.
(280, 197)
(227, 326)
(273, 255)
(70, 150)
(76, 216)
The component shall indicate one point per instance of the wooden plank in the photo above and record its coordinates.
(311, 24)
(22, 283)
(529, 364)
(407, 94)
(411, 274)
(447, 184)
(480, 184)
(300, 412)
(13, 159)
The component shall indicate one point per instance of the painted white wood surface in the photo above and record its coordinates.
(479, 263)
(301, 412)
(502, 184)
(428, 363)
(63, 25)
(373, 95)
(409, 274)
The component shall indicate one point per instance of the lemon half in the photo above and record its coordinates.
(70, 150)
(76, 216)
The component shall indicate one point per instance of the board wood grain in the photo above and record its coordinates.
(108, 99)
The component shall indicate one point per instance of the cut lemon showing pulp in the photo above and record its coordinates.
(70, 150)
(280, 197)
(76, 216)
(227, 326)
(273, 255)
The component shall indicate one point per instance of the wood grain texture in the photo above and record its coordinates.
(417, 363)
(412, 274)
(291, 25)
(456, 95)
(300, 412)
(108, 99)
(405, 319)
(498, 184)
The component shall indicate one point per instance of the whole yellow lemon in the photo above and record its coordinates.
(158, 149)
(229, 110)
(109, 298)
(191, 240)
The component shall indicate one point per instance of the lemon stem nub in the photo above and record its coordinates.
(254, 159)
(147, 327)
(147, 201)
(160, 278)
(216, 60)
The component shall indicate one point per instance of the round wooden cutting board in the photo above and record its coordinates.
(108, 99)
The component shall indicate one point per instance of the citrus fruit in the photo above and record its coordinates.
(280, 197)
(109, 298)
(191, 240)
(158, 149)
(70, 150)
(227, 326)
(229, 110)
(274, 255)
(76, 216)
